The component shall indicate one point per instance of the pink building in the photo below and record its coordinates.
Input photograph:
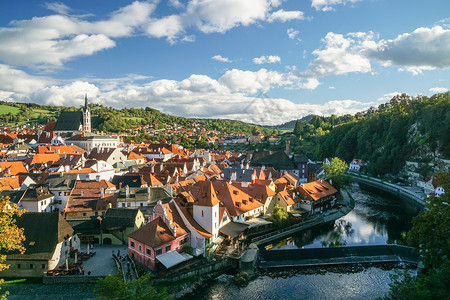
(159, 239)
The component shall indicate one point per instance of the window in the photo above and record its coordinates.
(60, 193)
(140, 248)
(168, 248)
(18, 266)
(84, 214)
(203, 213)
(43, 266)
(149, 251)
(159, 251)
(142, 204)
(123, 204)
(96, 213)
(31, 266)
(132, 244)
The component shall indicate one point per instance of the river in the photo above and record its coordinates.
(378, 219)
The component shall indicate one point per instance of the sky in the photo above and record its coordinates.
(260, 61)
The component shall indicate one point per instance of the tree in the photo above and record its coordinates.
(336, 172)
(430, 235)
(299, 127)
(279, 216)
(431, 228)
(113, 287)
(11, 237)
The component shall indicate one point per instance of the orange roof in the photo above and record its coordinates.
(286, 197)
(153, 181)
(133, 155)
(9, 183)
(204, 193)
(82, 171)
(93, 184)
(12, 167)
(63, 149)
(317, 189)
(43, 158)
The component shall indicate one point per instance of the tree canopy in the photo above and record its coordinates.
(11, 237)
(113, 287)
(430, 234)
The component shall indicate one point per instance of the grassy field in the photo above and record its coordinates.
(5, 109)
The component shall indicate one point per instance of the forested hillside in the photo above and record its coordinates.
(109, 119)
(387, 136)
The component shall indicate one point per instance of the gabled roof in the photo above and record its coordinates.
(317, 189)
(286, 196)
(12, 167)
(154, 234)
(119, 218)
(37, 193)
(42, 159)
(69, 121)
(43, 231)
(204, 194)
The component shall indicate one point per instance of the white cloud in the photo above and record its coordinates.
(196, 96)
(221, 58)
(253, 82)
(422, 49)
(284, 16)
(50, 41)
(170, 27)
(341, 55)
(220, 16)
(328, 5)
(438, 90)
(270, 59)
(58, 7)
(292, 33)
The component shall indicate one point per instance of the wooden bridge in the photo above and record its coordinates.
(336, 256)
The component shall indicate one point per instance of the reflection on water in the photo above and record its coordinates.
(378, 219)
(368, 284)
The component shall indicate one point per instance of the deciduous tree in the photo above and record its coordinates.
(11, 237)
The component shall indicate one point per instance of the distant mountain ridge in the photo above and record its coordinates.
(291, 124)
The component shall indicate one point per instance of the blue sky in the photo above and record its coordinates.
(261, 61)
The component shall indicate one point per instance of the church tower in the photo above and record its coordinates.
(86, 116)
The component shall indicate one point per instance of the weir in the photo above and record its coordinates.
(336, 256)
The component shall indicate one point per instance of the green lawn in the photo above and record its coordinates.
(30, 280)
(5, 109)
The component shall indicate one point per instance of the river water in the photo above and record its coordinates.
(378, 219)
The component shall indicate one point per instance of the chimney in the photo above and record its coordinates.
(288, 150)
(102, 193)
(152, 169)
(127, 191)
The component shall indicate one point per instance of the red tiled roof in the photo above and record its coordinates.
(317, 189)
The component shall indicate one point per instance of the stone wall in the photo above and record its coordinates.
(212, 269)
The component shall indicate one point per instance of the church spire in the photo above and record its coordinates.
(85, 102)
(86, 116)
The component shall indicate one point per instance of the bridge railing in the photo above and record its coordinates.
(412, 194)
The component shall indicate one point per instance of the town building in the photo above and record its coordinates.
(50, 240)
